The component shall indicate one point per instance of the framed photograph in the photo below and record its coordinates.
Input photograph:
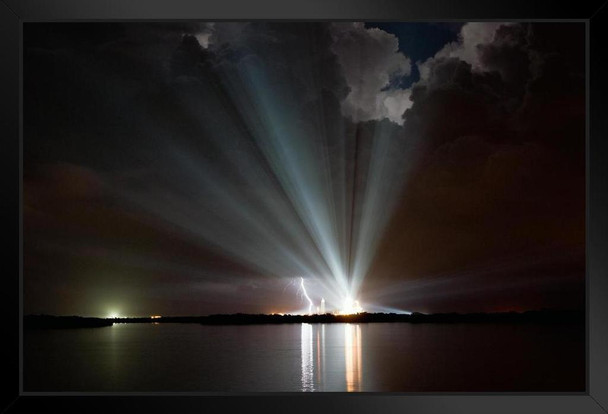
(393, 206)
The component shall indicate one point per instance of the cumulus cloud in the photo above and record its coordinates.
(472, 38)
(370, 59)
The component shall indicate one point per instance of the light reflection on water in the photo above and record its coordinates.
(352, 354)
(314, 354)
(307, 361)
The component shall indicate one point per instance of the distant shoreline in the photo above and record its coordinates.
(543, 316)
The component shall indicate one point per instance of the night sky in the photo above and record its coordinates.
(197, 168)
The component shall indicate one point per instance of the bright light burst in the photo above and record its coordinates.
(346, 306)
(350, 307)
(319, 192)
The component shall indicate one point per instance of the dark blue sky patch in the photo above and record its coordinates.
(418, 41)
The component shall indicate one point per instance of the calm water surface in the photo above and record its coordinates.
(381, 357)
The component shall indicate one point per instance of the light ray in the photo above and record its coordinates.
(272, 183)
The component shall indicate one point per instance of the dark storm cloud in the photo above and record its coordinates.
(502, 171)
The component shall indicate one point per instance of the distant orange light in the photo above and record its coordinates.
(155, 317)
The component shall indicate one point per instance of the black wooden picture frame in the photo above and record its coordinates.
(13, 15)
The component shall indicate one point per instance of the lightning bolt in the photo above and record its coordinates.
(306, 295)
